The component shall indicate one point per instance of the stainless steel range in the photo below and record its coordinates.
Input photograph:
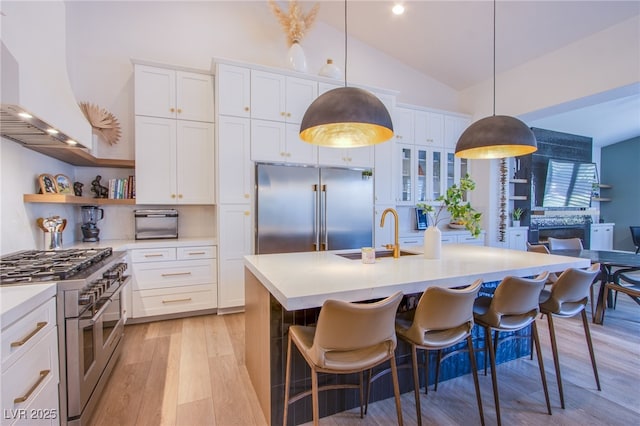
(89, 312)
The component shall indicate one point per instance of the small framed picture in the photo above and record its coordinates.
(63, 184)
(47, 184)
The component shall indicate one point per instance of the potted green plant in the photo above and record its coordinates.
(516, 214)
(462, 214)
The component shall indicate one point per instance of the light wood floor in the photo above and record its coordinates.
(191, 372)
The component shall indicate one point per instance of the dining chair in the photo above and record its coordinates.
(348, 338)
(442, 319)
(541, 248)
(568, 297)
(514, 305)
(623, 282)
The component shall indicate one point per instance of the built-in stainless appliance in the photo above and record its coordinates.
(541, 228)
(89, 314)
(156, 223)
(90, 217)
(312, 209)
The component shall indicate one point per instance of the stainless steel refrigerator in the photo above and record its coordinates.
(311, 209)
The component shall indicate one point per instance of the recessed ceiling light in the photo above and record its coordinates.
(71, 142)
(25, 115)
(398, 9)
(52, 131)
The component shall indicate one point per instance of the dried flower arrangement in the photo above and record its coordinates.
(295, 23)
(102, 121)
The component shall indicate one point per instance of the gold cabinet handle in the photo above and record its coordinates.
(188, 299)
(247, 213)
(39, 326)
(43, 375)
(172, 109)
(173, 195)
(154, 255)
(283, 113)
(179, 195)
(288, 114)
(246, 195)
(196, 253)
(246, 109)
(175, 274)
(179, 111)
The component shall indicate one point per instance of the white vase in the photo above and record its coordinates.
(296, 58)
(516, 223)
(432, 243)
(330, 70)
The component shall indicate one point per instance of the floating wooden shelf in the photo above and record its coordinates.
(518, 181)
(72, 199)
(80, 157)
(518, 197)
(600, 199)
(604, 186)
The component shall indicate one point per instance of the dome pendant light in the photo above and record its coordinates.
(346, 117)
(498, 136)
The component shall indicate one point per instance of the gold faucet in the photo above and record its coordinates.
(396, 246)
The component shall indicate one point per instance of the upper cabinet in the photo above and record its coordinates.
(453, 127)
(174, 134)
(274, 141)
(280, 98)
(167, 93)
(403, 125)
(429, 128)
(233, 86)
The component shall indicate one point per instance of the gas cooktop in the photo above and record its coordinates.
(39, 265)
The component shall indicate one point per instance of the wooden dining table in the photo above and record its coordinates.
(609, 261)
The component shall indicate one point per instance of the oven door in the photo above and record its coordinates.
(91, 340)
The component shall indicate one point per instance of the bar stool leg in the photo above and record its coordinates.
(438, 369)
(396, 388)
(416, 382)
(474, 369)
(494, 378)
(286, 383)
(587, 334)
(556, 358)
(314, 396)
(426, 372)
(534, 328)
(361, 391)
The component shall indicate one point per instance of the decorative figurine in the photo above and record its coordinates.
(77, 188)
(99, 190)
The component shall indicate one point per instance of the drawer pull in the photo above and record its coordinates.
(154, 255)
(43, 375)
(39, 326)
(188, 299)
(174, 274)
(196, 253)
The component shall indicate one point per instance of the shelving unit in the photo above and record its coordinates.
(80, 157)
(72, 199)
(601, 199)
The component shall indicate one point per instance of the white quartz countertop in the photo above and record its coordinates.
(305, 280)
(16, 300)
(147, 244)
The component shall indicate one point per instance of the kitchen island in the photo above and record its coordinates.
(289, 288)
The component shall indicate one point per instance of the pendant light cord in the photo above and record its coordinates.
(494, 58)
(345, 43)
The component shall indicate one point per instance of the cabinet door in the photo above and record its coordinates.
(453, 128)
(233, 90)
(421, 169)
(268, 141)
(405, 166)
(268, 96)
(360, 157)
(234, 160)
(194, 96)
(346, 157)
(601, 237)
(155, 150)
(403, 125)
(436, 164)
(299, 151)
(235, 241)
(195, 163)
(155, 91)
(429, 128)
(383, 182)
(299, 95)
(517, 238)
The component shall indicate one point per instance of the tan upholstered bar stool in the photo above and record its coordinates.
(541, 248)
(567, 298)
(443, 318)
(514, 306)
(348, 338)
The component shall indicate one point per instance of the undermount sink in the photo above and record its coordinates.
(379, 253)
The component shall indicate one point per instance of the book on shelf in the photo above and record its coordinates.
(122, 188)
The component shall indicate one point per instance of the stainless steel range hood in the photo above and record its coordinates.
(38, 106)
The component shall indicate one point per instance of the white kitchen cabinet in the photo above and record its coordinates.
(233, 86)
(30, 374)
(428, 128)
(517, 238)
(175, 161)
(346, 157)
(412, 174)
(453, 128)
(278, 97)
(403, 125)
(601, 236)
(383, 172)
(169, 93)
(274, 141)
(234, 160)
(235, 237)
(462, 237)
(173, 280)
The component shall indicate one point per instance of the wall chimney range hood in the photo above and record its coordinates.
(38, 107)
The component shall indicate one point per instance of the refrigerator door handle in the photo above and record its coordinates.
(316, 218)
(325, 233)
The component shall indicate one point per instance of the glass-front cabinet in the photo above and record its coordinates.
(424, 174)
